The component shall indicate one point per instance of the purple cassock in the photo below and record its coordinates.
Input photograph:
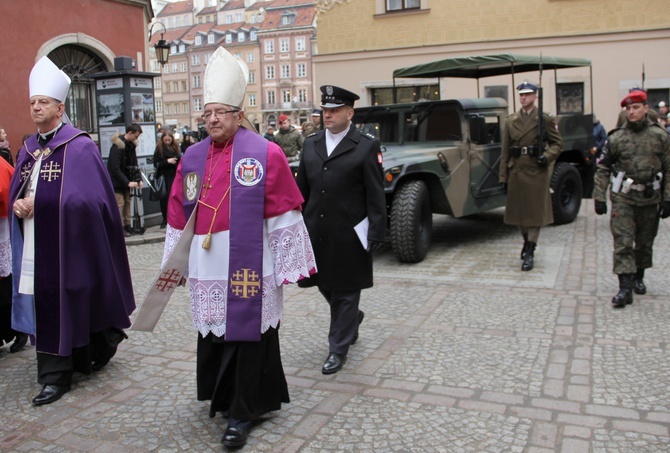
(82, 277)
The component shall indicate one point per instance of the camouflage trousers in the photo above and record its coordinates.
(633, 230)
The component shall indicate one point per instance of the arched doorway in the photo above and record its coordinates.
(78, 62)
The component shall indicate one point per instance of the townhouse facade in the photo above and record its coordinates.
(81, 48)
(362, 43)
(273, 37)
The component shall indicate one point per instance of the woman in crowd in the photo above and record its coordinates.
(166, 158)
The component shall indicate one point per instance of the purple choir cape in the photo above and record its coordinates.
(82, 276)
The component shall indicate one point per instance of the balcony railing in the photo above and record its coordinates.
(286, 106)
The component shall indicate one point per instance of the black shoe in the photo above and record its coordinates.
(50, 393)
(361, 315)
(97, 366)
(19, 342)
(333, 363)
(235, 437)
(163, 225)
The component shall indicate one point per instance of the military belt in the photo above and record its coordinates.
(518, 151)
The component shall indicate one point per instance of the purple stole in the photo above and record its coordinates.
(247, 206)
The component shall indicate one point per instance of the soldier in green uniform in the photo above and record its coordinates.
(525, 170)
(636, 161)
(621, 119)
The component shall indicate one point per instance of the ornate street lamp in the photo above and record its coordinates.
(162, 47)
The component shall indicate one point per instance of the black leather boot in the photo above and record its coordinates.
(625, 295)
(638, 285)
(525, 246)
(528, 258)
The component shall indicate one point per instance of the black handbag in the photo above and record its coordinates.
(159, 190)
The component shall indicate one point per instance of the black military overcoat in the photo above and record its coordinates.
(340, 190)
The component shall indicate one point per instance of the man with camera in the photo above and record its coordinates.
(124, 170)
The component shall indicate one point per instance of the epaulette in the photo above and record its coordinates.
(368, 135)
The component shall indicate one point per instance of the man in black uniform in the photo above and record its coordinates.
(340, 177)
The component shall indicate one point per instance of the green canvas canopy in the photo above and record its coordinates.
(488, 65)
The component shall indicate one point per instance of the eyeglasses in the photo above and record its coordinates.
(219, 113)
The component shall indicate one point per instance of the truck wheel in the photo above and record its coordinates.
(411, 222)
(566, 198)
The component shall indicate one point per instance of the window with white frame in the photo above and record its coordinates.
(241, 37)
(178, 21)
(269, 46)
(173, 49)
(169, 25)
(182, 65)
(239, 17)
(252, 100)
(166, 69)
(208, 55)
(211, 38)
(252, 76)
(168, 109)
(175, 87)
(269, 72)
(182, 48)
(197, 104)
(195, 59)
(271, 96)
(196, 81)
(288, 18)
(175, 67)
(401, 5)
(302, 95)
(157, 83)
(229, 18)
(285, 71)
(286, 95)
(301, 70)
(250, 57)
(187, 20)
(167, 87)
(300, 43)
(253, 35)
(155, 65)
(229, 38)
(198, 40)
(183, 85)
(283, 45)
(159, 105)
(184, 107)
(252, 19)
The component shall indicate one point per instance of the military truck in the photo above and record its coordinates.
(443, 157)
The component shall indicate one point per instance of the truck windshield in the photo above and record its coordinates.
(421, 123)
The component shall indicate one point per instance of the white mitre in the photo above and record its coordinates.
(47, 80)
(225, 79)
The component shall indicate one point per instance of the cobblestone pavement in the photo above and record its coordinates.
(460, 353)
